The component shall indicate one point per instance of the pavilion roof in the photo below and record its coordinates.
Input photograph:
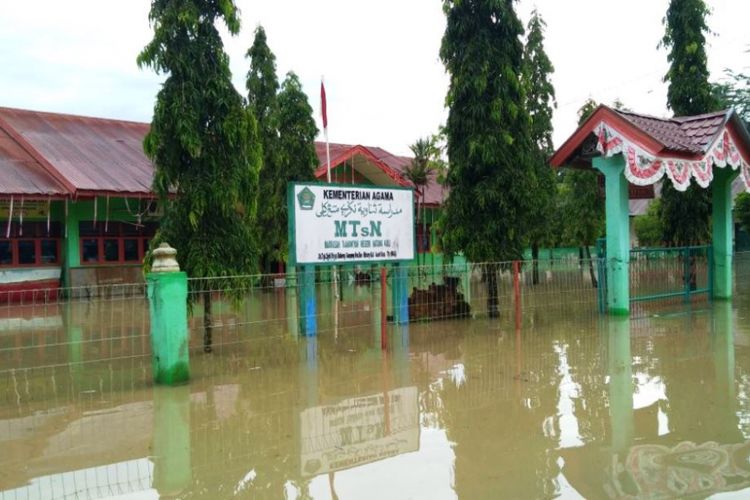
(681, 148)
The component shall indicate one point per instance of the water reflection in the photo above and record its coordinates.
(559, 404)
(700, 451)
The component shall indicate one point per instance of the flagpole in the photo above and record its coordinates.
(334, 270)
(324, 112)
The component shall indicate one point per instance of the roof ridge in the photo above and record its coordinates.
(73, 116)
(683, 119)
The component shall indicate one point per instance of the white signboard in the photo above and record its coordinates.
(336, 224)
(359, 431)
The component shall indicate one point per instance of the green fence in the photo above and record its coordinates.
(663, 273)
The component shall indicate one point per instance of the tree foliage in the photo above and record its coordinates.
(540, 101)
(202, 140)
(734, 92)
(489, 144)
(648, 227)
(689, 91)
(488, 132)
(297, 131)
(686, 216)
(262, 87)
(203, 143)
(742, 210)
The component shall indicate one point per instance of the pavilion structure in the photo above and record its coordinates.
(633, 149)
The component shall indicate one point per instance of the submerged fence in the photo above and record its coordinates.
(47, 328)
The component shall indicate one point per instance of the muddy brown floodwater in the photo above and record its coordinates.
(571, 405)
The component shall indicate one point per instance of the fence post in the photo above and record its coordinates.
(400, 294)
(383, 308)
(308, 303)
(167, 297)
(686, 273)
(517, 292)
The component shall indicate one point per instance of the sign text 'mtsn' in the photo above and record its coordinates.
(351, 194)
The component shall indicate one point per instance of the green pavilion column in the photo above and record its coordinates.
(618, 233)
(167, 296)
(722, 232)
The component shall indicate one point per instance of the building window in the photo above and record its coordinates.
(30, 244)
(6, 252)
(114, 242)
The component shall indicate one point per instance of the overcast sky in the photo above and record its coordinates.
(385, 83)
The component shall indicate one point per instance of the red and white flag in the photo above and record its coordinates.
(323, 104)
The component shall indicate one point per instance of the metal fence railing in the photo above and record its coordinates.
(57, 328)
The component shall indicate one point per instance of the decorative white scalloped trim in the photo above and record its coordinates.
(644, 169)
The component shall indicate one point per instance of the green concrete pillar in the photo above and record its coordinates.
(618, 233)
(167, 297)
(723, 231)
(171, 441)
(71, 239)
(620, 384)
(308, 315)
(400, 290)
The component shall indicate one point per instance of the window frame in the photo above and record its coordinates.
(119, 235)
(38, 262)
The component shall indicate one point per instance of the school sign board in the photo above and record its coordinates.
(345, 224)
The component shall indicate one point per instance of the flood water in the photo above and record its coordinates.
(571, 404)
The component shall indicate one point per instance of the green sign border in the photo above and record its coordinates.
(292, 224)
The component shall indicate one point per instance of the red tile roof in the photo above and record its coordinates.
(690, 134)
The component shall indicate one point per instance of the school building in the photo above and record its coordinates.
(77, 209)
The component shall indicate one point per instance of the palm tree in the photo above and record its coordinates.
(420, 171)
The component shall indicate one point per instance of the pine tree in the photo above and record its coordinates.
(204, 146)
(297, 131)
(262, 87)
(686, 216)
(540, 101)
(488, 137)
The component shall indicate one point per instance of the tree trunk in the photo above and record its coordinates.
(490, 275)
(535, 263)
(580, 257)
(207, 321)
(591, 268)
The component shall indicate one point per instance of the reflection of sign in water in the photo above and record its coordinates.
(333, 223)
(359, 430)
